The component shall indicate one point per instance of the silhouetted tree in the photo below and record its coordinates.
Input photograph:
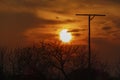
(2, 53)
(26, 61)
(98, 69)
(46, 59)
(60, 55)
(118, 69)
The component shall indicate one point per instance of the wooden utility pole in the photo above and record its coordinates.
(90, 18)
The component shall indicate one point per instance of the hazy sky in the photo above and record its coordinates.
(23, 21)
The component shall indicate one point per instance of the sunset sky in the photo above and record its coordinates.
(24, 21)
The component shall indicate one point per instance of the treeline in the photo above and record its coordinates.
(52, 61)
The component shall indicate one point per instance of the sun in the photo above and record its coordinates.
(65, 36)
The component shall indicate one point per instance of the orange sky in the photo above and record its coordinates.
(24, 21)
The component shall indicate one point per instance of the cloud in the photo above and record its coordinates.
(116, 21)
(106, 47)
(52, 22)
(76, 34)
(74, 30)
(14, 24)
(22, 21)
(116, 34)
(115, 31)
(106, 28)
(18, 21)
(17, 16)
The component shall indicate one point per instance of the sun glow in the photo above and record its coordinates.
(65, 36)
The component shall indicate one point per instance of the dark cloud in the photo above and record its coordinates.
(106, 28)
(18, 21)
(99, 40)
(24, 3)
(83, 29)
(34, 3)
(77, 30)
(106, 48)
(116, 1)
(52, 22)
(77, 34)
(45, 36)
(14, 24)
(114, 31)
(22, 21)
(58, 4)
(116, 21)
(98, 1)
(74, 30)
(116, 34)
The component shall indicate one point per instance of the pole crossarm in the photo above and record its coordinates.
(90, 15)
